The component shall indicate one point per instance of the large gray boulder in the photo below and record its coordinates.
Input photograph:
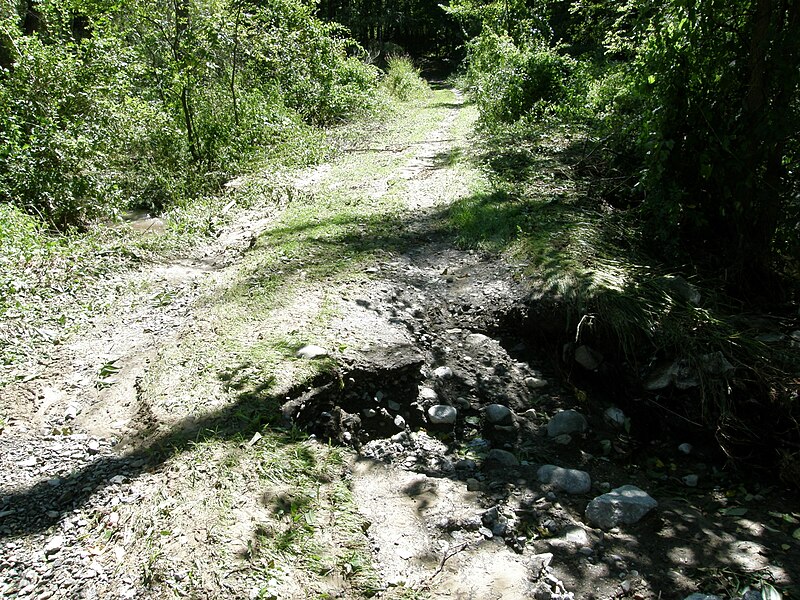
(567, 421)
(621, 506)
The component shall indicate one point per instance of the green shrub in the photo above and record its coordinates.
(154, 105)
(353, 89)
(52, 136)
(510, 81)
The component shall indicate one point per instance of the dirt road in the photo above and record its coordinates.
(165, 450)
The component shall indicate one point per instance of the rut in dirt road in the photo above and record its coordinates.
(335, 399)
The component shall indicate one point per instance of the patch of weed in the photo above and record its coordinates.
(586, 258)
(403, 79)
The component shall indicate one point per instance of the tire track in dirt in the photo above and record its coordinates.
(425, 529)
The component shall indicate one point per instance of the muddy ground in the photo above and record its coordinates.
(427, 411)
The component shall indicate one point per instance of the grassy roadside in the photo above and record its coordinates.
(585, 264)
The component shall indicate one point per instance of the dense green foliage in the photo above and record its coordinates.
(632, 141)
(695, 104)
(511, 81)
(111, 104)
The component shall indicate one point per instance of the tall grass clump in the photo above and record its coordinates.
(403, 80)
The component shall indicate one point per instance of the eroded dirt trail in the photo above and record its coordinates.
(424, 525)
(159, 454)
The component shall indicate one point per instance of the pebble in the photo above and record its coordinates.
(427, 394)
(571, 481)
(399, 422)
(614, 416)
(685, 448)
(564, 439)
(443, 372)
(463, 402)
(466, 464)
(690, 480)
(500, 458)
(473, 485)
(477, 339)
(441, 414)
(621, 506)
(311, 352)
(399, 437)
(499, 414)
(578, 536)
(534, 383)
(94, 447)
(54, 545)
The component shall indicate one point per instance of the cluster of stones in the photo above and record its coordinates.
(61, 561)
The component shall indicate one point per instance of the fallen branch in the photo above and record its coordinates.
(447, 556)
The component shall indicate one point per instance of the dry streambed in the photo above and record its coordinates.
(166, 450)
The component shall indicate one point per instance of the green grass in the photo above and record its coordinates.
(403, 81)
(585, 258)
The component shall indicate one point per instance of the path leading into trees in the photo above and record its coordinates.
(165, 451)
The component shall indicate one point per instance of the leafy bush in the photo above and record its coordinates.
(511, 81)
(403, 79)
(155, 104)
(52, 141)
(309, 62)
(706, 123)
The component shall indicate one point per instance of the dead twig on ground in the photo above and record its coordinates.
(450, 553)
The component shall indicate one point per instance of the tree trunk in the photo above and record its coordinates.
(188, 118)
(32, 19)
(235, 64)
(181, 30)
(767, 101)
